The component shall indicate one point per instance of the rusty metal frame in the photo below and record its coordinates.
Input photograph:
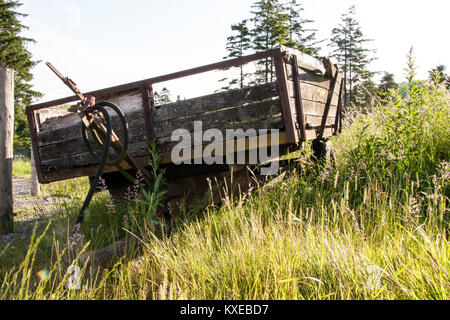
(298, 99)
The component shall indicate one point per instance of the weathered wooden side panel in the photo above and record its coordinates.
(63, 155)
(214, 102)
(256, 107)
(316, 83)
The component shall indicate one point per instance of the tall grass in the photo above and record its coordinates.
(373, 226)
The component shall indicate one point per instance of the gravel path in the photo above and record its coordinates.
(27, 211)
(22, 196)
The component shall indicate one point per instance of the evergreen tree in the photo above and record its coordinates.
(300, 37)
(270, 29)
(353, 58)
(14, 55)
(438, 75)
(272, 23)
(163, 97)
(238, 45)
(387, 82)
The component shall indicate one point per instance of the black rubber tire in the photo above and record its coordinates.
(322, 152)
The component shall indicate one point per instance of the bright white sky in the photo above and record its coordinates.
(112, 42)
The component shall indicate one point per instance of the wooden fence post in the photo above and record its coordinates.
(35, 185)
(6, 150)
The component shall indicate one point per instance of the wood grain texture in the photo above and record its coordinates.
(313, 93)
(6, 150)
(90, 170)
(304, 60)
(311, 78)
(231, 118)
(214, 102)
(314, 99)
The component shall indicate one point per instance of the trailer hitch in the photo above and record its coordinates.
(95, 117)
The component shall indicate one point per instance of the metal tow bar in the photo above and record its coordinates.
(96, 118)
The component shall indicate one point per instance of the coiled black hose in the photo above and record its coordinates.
(104, 160)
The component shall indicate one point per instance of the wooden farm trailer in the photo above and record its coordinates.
(304, 103)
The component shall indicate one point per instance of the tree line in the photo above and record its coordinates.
(276, 22)
(272, 23)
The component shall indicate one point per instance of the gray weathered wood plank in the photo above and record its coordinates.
(310, 78)
(85, 158)
(73, 132)
(61, 149)
(214, 102)
(232, 117)
(305, 60)
(76, 155)
(166, 144)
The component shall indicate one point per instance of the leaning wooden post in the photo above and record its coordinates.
(35, 185)
(6, 149)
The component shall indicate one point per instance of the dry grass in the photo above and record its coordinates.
(374, 227)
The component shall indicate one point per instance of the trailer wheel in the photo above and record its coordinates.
(322, 152)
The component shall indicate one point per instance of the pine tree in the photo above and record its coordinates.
(238, 45)
(438, 75)
(387, 82)
(353, 58)
(14, 55)
(272, 23)
(270, 29)
(300, 37)
(163, 97)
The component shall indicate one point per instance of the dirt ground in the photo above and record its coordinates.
(27, 211)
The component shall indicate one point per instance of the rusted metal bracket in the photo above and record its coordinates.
(68, 82)
(298, 99)
(328, 104)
